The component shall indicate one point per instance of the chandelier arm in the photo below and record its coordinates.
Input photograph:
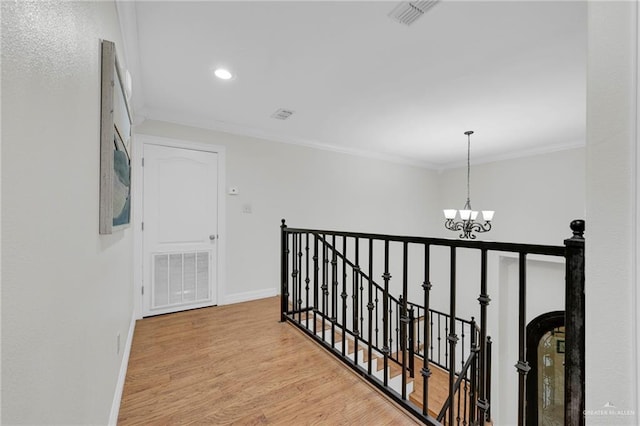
(450, 224)
(467, 227)
(486, 227)
(479, 227)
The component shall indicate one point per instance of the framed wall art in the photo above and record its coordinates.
(115, 143)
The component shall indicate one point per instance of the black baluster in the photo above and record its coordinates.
(400, 313)
(464, 393)
(343, 295)
(393, 320)
(307, 280)
(361, 281)
(299, 260)
(440, 340)
(377, 317)
(356, 328)
(488, 384)
(452, 338)
(457, 412)
(412, 332)
(446, 346)
(404, 318)
(400, 342)
(334, 291)
(315, 283)
(295, 276)
(325, 286)
(361, 298)
(431, 333)
(522, 365)
(484, 300)
(294, 273)
(354, 316)
(474, 372)
(284, 273)
(370, 307)
(416, 328)
(385, 311)
(462, 334)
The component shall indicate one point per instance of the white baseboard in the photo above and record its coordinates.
(117, 396)
(249, 295)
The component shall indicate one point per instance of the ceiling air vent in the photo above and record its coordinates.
(408, 12)
(282, 114)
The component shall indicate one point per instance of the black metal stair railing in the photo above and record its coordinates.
(438, 322)
(398, 316)
(328, 291)
(438, 353)
(368, 333)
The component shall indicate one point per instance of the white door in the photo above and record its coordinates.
(180, 229)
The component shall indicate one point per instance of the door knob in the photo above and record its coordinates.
(212, 237)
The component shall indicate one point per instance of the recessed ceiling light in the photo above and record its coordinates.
(223, 74)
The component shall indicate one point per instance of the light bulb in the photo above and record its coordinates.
(488, 215)
(223, 74)
(449, 213)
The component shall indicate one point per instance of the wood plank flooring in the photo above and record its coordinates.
(237, 364)
(438, 382)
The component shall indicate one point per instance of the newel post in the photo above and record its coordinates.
(574, 372)
(284, 294)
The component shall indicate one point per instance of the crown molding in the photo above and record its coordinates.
(513, 155)
(238, 129)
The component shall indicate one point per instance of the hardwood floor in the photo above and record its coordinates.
(237, 364)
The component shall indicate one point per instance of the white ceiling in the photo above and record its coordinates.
(512, 71)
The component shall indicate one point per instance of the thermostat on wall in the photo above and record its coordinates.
(233, 191)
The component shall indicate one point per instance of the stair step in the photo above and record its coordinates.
(394, 376)
(351, 356)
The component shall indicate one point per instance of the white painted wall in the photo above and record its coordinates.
(309, 188)
(66, 291)
(611, 227)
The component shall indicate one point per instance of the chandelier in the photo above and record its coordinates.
(467, 223)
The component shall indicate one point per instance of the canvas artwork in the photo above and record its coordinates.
(115, 142)
(121, 182)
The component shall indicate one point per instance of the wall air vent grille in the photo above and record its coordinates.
(179, 278)
(408, 12)
(282, 114)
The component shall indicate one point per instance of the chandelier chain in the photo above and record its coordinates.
(469, 171)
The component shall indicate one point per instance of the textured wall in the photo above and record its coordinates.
(66, 291)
